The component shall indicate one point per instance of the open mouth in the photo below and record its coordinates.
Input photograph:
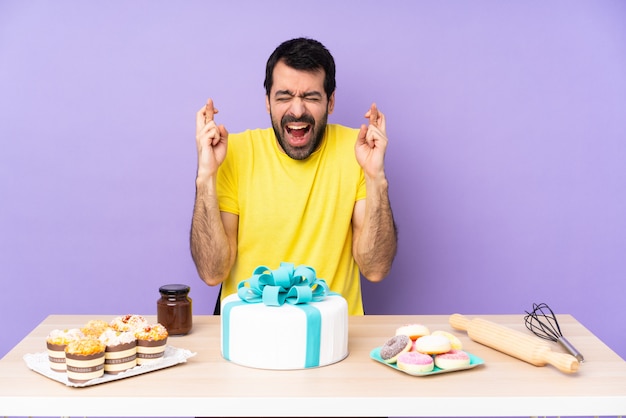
(298, 133)
(298, 130)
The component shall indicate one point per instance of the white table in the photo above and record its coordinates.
(208, 385)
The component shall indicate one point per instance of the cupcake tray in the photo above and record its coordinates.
(172, 356)
(474, 361)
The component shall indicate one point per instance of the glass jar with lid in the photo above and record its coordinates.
(174, 309)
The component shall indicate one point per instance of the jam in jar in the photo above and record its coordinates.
(174, 309)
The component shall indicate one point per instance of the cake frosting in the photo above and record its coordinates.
(95, 328)
(154, 332)
(85, 346)
(64, 336)
(110, 337)
(128, 323)
(284, 319)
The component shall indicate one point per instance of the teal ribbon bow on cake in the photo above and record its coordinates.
(284, 285)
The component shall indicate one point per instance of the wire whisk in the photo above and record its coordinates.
(543, 323)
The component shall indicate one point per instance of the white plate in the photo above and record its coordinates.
(171, 357)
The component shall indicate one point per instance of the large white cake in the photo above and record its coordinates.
(289, 336)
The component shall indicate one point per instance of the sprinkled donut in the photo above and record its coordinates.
(414, 362)
(453, 359)
(395, 346)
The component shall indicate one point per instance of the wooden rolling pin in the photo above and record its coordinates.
(514, 343)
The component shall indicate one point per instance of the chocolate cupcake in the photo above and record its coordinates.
(84, 360)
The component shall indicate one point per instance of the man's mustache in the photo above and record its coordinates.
(292, 119)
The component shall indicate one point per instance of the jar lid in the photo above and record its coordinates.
(174, 289)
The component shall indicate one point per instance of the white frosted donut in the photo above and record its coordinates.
(432, 344)
(455, 343)
(414, 362)
(453, 359)
(395, 346)
(413, 331)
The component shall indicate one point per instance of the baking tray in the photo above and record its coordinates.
(172, 356)
(474, 361)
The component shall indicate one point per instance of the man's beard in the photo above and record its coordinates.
(304, 152)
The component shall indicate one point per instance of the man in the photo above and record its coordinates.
(304, 192)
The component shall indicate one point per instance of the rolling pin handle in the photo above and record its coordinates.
(564, 362)
(458, 321)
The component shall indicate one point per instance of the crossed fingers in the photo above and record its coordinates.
(209, 111)
(376, 117)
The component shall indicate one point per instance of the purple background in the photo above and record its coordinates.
(506, 158)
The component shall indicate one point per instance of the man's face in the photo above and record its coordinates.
(299, 110)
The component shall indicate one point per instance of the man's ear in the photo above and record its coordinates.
(267, 103)
(331, 103)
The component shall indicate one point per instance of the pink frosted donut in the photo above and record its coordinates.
(432, 344)
(414, 362)
(453, 359)
(394, 347)
(413, 331)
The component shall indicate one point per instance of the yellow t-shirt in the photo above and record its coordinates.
(294, 211)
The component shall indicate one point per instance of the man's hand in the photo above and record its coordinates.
(211, 141)
(371, 144)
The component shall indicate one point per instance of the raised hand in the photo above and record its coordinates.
(371, 144)
(211, 141)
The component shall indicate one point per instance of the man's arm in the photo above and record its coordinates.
(374, 229)
(213, 238)
(374, 234)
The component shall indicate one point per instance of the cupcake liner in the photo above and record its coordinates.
(56, 357)
(82, 368)
(121, 357)
(150, 351)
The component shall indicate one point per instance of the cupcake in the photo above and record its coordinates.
(56, 342)
(95, 328)
(151, 341)
(129, 323)
(85, 359)
(121, 350)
